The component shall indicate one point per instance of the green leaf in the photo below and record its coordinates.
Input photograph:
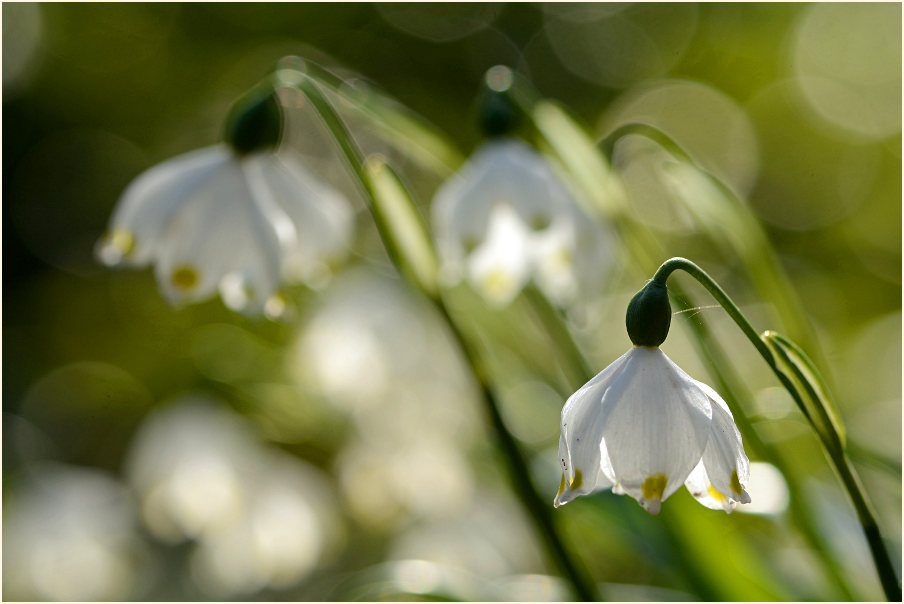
(407, 233)
(813, 394)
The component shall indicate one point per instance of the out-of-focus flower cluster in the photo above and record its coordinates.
(259, 518)
(256, 518)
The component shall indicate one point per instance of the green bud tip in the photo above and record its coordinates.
(497, 113)
(649, 315)
(255, 123)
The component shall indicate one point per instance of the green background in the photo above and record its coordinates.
(95, 93)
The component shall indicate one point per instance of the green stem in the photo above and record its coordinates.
(731, 387)
(557, 329)
(518, 469)
(673, 264)
(747, 240)
(832, 446)
(551, 318)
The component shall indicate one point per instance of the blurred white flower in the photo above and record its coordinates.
(288, 527)
(240, 218)
(498, 267)
(490, 538)
(186, 464)
(383, 486)
(644, 427)
(260, 518)
(506, 218)
(69, 536)
(374, 350)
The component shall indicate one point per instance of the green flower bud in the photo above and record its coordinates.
(497, 114)
(649, 315)
(255, 123)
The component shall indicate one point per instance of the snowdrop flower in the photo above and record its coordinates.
(238, 218)
(505, 218)
(644, 427)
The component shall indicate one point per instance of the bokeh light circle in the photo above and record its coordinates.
(22, 36)
(616, 48)
(440, 22)
(847, 59)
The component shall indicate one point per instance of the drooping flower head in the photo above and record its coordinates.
(506, 218)
(644, 427)
(237, 218)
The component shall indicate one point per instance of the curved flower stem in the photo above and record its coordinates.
(730, 387)
(730, 215)
(831, 442)
(517, 465)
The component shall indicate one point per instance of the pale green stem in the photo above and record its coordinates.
(522, 481)
(832, 446)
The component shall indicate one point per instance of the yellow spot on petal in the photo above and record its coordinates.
(562, 485)
(497, 283)
(469, 243)
(578, 481)
(185, 277)
(654, 486)
(716, 494)
(123, 241)
(539, 222)
(736, 484)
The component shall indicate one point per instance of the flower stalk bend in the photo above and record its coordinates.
(788, 362)
(397, 237)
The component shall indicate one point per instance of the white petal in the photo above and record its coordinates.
(153, 198)
(221, 231)
(500, 267)
(705, 493)
(321, 218)
(724, 459)
(581, 433)
(461, 209)
(656, 424)
(527, 181)
(553, 253)
(500, 172)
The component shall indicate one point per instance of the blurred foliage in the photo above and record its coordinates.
(362, 398)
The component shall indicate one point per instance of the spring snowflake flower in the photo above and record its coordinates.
(505, 218)
(644, 427)
(238, 218)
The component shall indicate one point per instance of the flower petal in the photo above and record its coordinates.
(151, 200)
(724, 459)
(505, 172)
(656, 424)
(579, 444)
(321, 218)
(705, 493)
(553, 253)
(500, 266)
(220, 231)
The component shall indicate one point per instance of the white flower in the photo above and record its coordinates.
(506, 218)
(241, 223)
(498, 267)
(643, 427)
